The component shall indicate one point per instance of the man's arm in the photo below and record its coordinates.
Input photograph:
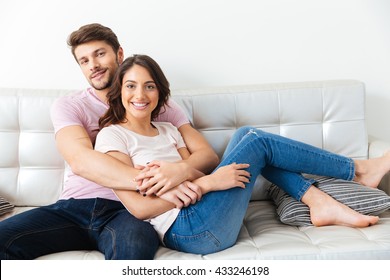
(76, 148)
(203, 157)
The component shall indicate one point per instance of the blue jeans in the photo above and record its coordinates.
(213, 224)
(77, 224)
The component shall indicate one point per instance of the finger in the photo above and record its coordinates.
(160, 189)
(140, 183)
(244, 173)
(193, 196)
(241, 165)
(148, 184)
(139, 167)
(196, 189)
(178, 203)
(144, 174)
(154, 163)
(184, 198)
(155, 188)
(244, 180)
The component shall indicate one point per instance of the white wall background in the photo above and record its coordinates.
(202, 43)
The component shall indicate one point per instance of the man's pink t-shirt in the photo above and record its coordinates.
(84, 108)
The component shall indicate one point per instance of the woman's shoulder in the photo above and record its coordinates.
(165, 125)
(112, 129)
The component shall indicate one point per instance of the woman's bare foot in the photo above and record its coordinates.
(371, 171)
(324, 211)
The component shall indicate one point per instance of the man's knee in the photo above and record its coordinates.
(135, 240)
(9, 248)
(145, 241)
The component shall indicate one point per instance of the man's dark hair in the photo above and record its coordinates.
(93, 32)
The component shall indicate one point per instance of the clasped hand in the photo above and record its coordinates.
(170, 184)
(168, 181)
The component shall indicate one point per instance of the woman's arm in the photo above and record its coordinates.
(143, 207)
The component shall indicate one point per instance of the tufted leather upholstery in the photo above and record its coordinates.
(327, 114)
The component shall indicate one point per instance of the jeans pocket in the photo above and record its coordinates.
(202, 243)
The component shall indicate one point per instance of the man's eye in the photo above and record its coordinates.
(101, 53)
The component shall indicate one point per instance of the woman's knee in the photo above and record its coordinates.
(243, 130)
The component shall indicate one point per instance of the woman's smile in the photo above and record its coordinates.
(140, 105)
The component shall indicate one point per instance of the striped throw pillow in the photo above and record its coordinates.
(365, 200)
(5, 206)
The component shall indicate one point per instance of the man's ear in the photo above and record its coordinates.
(121, 55)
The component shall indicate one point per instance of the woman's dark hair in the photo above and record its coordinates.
(93, 32)
(116, 112)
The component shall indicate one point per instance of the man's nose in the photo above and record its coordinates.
(93, 64)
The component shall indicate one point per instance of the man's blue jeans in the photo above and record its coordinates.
(77, 224)
(213, 223)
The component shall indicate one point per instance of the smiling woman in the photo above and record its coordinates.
(139, 97)
(139, 86)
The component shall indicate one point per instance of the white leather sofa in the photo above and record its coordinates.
(327, 114)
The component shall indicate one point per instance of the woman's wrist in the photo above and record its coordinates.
(205, 183)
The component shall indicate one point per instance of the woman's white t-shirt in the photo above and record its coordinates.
(143, 149)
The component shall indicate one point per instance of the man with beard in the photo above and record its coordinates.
(88, 216)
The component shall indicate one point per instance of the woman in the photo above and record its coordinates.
(138, 94)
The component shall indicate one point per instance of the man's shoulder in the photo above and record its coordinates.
(74, 96)
(172, 113)
(75, 99)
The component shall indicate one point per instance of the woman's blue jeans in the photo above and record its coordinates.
(213, 223)
(77, 224)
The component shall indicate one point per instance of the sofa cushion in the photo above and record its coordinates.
(365, 200)
(5, 206)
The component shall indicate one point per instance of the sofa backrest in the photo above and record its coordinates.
(326, 114)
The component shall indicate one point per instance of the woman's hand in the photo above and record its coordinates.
(225, 177)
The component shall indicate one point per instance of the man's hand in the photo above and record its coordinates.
(183, 195)
(160, 176)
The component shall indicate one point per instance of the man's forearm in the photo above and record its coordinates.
(204, 160)
(104, 170)
(202, 156)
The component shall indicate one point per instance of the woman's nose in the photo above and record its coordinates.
(139, 92)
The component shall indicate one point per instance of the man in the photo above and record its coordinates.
(89, 216)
